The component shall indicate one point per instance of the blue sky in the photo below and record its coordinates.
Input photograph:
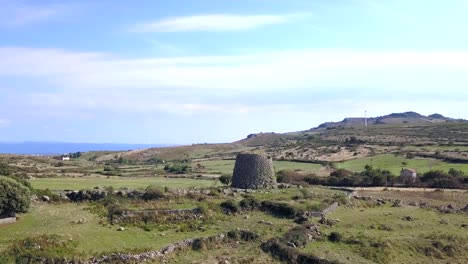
(190, 71)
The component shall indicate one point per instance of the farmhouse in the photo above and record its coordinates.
(408, 176)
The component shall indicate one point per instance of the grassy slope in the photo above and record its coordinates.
(394, 164)
(93, 237)
(116, 182)
(405, 241)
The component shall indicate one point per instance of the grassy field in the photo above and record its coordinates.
(94, 235)
(227, 166)
(380, 234)
(117, 182)
(395, 164)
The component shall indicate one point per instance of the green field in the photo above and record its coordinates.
(381, 235)
(395, 164)
(117, 182)
(227, 166)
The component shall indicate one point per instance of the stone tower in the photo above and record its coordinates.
(253, 171)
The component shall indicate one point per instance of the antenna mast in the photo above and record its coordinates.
(365, 117)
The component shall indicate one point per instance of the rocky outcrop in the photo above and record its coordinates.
(253, 171)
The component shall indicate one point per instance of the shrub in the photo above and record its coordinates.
(6, 169)
(440, 179)
(230, 206)
(242, 235)
(293, 177)
(335, 237)
(153, 193)
(283, 210)
(199, 245)
(297, 236)
(14, 197)
(249, 203)
(226, 179)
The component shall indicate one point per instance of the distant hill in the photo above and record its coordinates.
(395, 118)
(51, 148)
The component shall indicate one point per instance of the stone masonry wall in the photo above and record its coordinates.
(253, 171)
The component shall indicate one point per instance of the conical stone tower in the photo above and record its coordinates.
(253, 171)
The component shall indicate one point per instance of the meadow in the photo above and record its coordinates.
(80, 183)
(395, 163)
(382, 234)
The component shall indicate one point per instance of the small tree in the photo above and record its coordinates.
(14, 197)
(225, 179)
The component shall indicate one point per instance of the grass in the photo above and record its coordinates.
(396, 240)
(395, 164)
(227, 166)
(93, 237)
(117, 182)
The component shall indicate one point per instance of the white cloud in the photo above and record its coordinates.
(213, 22)
(195, 85)
(20, 13)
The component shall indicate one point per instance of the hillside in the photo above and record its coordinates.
(433, 136)
(394, 118)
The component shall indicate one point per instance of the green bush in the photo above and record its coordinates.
(283, 210)
(225, 179)
(14, 197)
(153, 193)
(335, 237)
(230, 206)
(249, 203)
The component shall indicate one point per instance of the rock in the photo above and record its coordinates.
(381, 202)
(291, 244)
(265, 222)
(397, 203)
(450, 206)
(246, 217)
(121, 228)
(408, 218)
(444, 222)
(45, 198)
(423, 205)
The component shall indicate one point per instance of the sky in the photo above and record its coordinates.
(207, 71)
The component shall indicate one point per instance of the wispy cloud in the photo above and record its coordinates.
(202, 85)
(20, 13)
(5, 123)
(212, 22)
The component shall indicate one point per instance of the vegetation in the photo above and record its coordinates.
(14, 197)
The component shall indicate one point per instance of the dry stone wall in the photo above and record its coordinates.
(253, 171)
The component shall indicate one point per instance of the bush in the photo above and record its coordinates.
(283, 210)
(293, 177)
(153, 193)
(335, 237)
(440, 179)
(249, 203)
(297, 236)
(230, 206)
(225, 179)
(14, 197)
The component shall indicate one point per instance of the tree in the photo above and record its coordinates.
(225, 179)
(14, 197)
